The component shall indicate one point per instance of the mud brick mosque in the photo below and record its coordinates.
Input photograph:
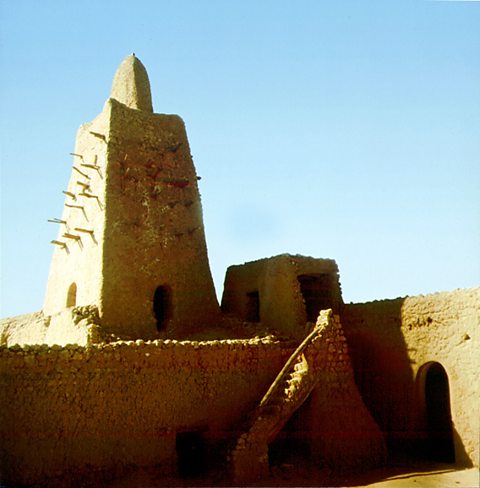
(133, 363)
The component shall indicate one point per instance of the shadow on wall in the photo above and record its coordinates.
(413, 411)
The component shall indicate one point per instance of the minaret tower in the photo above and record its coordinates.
(131, 237)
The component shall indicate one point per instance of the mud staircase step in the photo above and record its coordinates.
(293, 385)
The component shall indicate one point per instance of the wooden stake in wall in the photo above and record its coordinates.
(81, 172)
(69, 194)
(61, 244)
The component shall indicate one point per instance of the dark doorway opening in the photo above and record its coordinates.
(292, 444)
(253, 307)
(191, 454)
(440, 446)
(317, 294)
(72, 295)
(162, 306)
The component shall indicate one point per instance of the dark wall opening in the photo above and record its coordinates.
(191, 454)
(72, 295)
(253, 307)
(440, 446)
(293, 442)
(162, 307)
(316, 290)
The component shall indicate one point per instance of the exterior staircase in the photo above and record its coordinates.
(249, 456)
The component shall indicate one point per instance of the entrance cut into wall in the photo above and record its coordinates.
(191, 454)
(439, 445)
(292, 444)
(162, 307)
(317, 294)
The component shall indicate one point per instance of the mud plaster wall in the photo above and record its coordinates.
(154, 227)
(333, 421)
(282, 305)
(74, 325)
(133, 223)
(344, 435)
(391, 340)
(23, 329)
(113, 405)
(80, 261)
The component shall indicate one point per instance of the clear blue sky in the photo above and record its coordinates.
(340, 129)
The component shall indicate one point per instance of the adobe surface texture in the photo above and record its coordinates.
(133, 375)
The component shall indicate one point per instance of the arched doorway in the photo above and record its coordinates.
(435, 393)
(72, 295)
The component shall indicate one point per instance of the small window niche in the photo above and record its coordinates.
(162, 306)
(252, 313)
(72, 295)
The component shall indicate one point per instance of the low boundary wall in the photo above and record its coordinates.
(108, 406)
(391, 340)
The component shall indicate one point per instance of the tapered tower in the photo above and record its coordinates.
(131, 237)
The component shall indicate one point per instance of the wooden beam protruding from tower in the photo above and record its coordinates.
(75, 206)
(81, 172)
(61, 244)
(81, 183)
(80, 229)
(71, 236)
(70, 194)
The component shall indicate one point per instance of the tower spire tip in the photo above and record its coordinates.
(131, 85)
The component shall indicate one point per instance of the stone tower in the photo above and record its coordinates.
(131, 237)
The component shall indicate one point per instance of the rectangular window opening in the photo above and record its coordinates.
(253, 307)
(316, 290)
